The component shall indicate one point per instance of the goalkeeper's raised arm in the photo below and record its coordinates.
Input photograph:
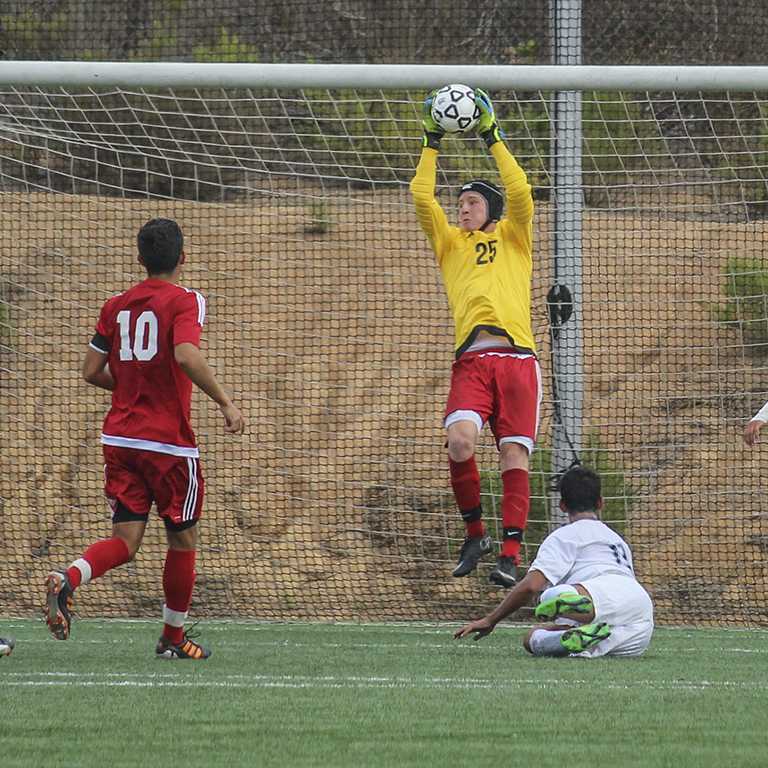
(430, 215)
(486, 266)
(516, 186)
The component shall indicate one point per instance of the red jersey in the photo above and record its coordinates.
(151, 402)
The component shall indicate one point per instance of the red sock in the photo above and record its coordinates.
(97, 560)
(465, 481)
(515, 503)
(178, 582)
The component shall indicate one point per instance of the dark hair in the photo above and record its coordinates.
(580, 489)
(160, 244)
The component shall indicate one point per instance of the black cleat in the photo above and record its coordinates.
(58, 604)
(186, 649)
(7, 644)
(505, 572)
(473, 548)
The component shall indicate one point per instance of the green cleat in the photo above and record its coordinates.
(584, 637)
(567, 602)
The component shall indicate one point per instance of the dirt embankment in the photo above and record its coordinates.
(336, 505)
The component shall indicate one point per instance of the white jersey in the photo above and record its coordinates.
(582, 550)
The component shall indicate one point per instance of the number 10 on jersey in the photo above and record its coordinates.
(140, 341)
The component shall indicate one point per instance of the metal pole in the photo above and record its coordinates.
(134, 75)
(565, 297)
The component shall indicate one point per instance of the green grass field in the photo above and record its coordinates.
(377, 695)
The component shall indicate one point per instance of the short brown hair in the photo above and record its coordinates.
(160, 244)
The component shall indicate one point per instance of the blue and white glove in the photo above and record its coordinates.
(487, 126)
(433, 133)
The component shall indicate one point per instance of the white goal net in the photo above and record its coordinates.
(328, 320)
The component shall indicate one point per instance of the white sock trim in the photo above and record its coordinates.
(85, 570)
(556, 591)
(174, 618)
(545, 643)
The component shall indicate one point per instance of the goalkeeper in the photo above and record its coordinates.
(486, 268)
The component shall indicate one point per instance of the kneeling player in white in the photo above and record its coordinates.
(590, 597)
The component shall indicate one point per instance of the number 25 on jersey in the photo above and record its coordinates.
(486, 252)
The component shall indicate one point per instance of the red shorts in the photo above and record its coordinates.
(500, 387)
(136, 478)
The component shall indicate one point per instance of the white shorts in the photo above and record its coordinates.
(627, 608)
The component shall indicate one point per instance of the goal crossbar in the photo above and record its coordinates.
(99, 74)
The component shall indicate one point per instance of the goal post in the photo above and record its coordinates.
(563, 298)
(328, 319)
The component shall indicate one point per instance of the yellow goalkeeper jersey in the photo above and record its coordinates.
(487, 276)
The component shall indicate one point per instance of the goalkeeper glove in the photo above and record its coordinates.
(487, 126)
(432, 131)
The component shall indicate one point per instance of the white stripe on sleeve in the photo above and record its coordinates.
(762, 414)
(200, 307)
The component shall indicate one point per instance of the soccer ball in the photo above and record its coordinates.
(454, 108)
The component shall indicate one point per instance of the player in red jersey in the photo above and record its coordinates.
(146, 352)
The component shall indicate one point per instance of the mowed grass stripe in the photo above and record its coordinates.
(467, 646)
(264, 681)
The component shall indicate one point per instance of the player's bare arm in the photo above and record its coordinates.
(752, 431)
(192, 361)
(521, 594)
(95, 370)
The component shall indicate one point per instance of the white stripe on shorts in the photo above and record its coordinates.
(149, 445)
(472, 416)
(191, 500)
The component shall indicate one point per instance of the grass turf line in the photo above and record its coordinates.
(376, 695)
